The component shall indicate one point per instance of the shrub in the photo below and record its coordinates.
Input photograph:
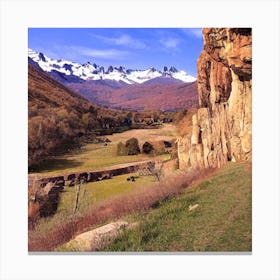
(121, 149)
(147, 148)
(132, 146)
(159, 147)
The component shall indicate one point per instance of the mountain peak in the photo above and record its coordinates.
(87, 63)
(42, 57)
(173, 69)
(152, 69)
(76, 72)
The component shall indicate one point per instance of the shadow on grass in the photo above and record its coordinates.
(55, 164)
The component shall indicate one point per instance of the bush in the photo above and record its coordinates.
(159, 147)
(147, 148)
(132, 146)
(121, 149)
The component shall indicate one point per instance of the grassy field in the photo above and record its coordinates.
(222, 220)
(97, 156)
(91, 194)
(101, 190)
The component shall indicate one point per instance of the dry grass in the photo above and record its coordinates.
(165, 132)
(111, 209)
(33, 205)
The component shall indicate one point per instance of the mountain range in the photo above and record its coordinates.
(67, 71)
(118, 87)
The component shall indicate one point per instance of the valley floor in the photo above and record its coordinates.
(98, 156)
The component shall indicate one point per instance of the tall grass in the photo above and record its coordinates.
(214, 215)
(101, 212)
(33, 205)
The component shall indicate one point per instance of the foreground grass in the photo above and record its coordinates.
(221, 222)
(143, 198)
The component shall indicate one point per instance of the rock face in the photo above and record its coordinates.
(222, 126)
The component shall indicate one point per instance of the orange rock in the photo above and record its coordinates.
(222, 126)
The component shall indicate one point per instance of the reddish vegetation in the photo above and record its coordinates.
(141, 97)
(112, 209)
(33, 214)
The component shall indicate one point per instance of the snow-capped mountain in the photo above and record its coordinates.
(68, 71)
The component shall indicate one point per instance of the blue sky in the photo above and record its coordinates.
(135, 48)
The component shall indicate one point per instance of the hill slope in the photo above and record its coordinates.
(58, 117)
(222, 221)
(140, 97)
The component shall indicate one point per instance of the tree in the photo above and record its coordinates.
(147, 148)
(132, 146)
(154, 169)
(129, 119)
(85, 121)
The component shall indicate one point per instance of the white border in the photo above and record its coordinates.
(17, 16)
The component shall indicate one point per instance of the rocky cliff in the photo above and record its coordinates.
(222, 126)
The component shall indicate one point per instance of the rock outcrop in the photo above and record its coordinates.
(222, 127)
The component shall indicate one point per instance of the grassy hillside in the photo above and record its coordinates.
(222, 220)
(58, 117)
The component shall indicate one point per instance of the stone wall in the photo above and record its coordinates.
(47, 196)
(89, 176)
(222, 127)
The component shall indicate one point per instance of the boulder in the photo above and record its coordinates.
(97, 238)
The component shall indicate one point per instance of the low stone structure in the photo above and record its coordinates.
(91, 176)
(50, 187)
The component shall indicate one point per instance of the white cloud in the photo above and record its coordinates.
(104, 53)
(196, 32)
(123, 40)
(169, 43)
